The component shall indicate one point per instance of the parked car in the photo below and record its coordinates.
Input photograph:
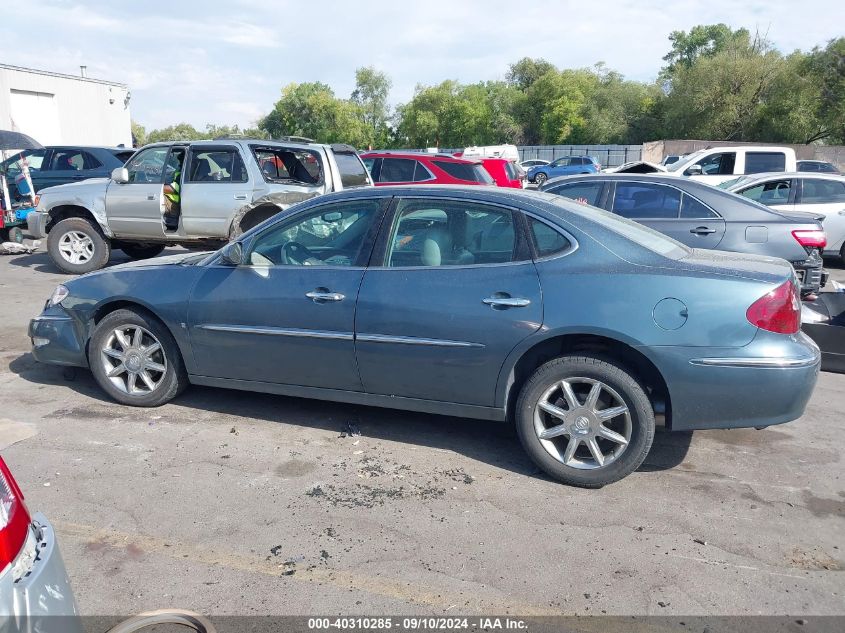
(505, 173)
(823, 195)
(226, 186)
(392, 168)
(507, 151)
(817, 165)
(563, 167)
(35, 593)
(717, 164)
(702, 216)
(574, 324)
(60, 164)
(533, 162)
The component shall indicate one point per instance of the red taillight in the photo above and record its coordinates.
(811, 238)
(14, 518)
(777, 311)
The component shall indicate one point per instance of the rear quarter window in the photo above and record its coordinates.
(760, 162)
(471, 172)
(353, 173)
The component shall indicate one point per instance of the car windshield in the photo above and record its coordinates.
(644, 236)
(689, 159)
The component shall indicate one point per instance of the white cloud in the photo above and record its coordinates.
(200, 62)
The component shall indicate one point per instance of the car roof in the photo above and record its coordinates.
(749, 179)
(247, 141)
(815, 160)
(105, 147)
(419, 155)
(657, 177)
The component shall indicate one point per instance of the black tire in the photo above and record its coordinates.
(610, 375)
(249, 217)
(540, 179)
(169, 383)
(142, 251)
(13, 234)
(101, 246)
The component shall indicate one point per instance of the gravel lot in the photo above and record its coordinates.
(228, 502)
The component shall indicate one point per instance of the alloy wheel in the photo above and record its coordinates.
(540, 179)
(76, 247)
(133, 360)
(583, 423)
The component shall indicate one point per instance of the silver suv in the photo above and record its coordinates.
(197, 194)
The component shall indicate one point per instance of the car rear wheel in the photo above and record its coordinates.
(585, 421)
(77, 247)
(142, 251)
(135, 359)
(540, 179)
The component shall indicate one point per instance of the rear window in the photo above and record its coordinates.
(471, 172)
(639, 234)
(583, 192)
(818, 191)
(352, 170)
(759, 162)
(124, 156)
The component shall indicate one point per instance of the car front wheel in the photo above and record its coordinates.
(77, 247)
(540, 179)
(135, 359)
(585, 421)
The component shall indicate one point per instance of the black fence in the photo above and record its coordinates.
(607, 155)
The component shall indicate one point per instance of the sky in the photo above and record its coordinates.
(226, 62)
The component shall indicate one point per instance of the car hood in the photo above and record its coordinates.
(167, 260)
(77, 187)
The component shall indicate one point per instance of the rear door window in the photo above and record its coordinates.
(216, 165)
(284, 164)
(692, 209)
(421, 173)
(73, 160)
(761, 162)
(822, 191)
(353, 173)
(471, 172)
(637, 200)
(583, 192)
(397, 170)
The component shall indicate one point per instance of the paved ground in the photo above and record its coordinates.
(236, 503)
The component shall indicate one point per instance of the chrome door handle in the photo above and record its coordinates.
(240, 196)
(507, 302)
(319, 295)
(702, 230)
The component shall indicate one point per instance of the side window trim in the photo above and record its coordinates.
(522, 251)
(716, 215)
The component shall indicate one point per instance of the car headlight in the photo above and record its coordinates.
(59, 295)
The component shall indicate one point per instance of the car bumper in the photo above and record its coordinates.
(36, 224)
(56, 339)
(811, 273)
(769, 381)
(42, 599)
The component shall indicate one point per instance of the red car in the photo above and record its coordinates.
(393, 168)
(506, 173)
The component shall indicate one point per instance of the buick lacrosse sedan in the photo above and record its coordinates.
(574, 324)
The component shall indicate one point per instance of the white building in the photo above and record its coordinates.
(57, 109)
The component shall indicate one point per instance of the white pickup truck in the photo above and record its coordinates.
(718, 164)
(225, 187)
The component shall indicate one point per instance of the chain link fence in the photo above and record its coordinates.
(606, 155)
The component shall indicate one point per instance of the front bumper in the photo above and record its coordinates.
(36, 224)
(42, 600)
(769, 381)
(57, 339)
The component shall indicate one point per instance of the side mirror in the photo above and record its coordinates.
(693, 170)
(120, 175)
(232, 254)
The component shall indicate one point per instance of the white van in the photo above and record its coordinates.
(718, 164)
(492, 151)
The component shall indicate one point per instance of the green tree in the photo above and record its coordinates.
(312, 110)
(372, 89)
(704, 40)
(526, 71)
(179, 132)
(139, 134)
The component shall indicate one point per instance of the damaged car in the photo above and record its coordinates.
(195, 194)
